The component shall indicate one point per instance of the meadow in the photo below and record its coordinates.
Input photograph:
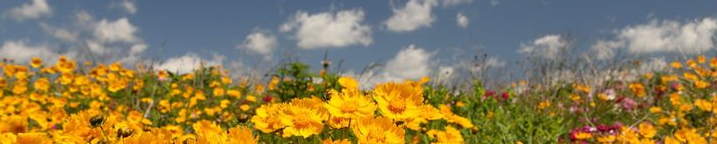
(82, 102)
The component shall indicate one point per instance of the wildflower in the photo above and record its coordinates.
(582, 135)
(348, 83)
(378, 130)
(35, 62)
(251, 98)
(338, 122)
(267, 118)
(647, 130)
(234, 93)
(244, 107)
(704, 105)
(638, 89)
(162, 75)
(676, 65)
(301, 121)
(33, 138)
(451, 135)
(329, 141)
(655, 109)
(241, 135)
(14, 124)
(209, 132)
(453, 118)
(398, 101)
(606, 139)
(350, 104)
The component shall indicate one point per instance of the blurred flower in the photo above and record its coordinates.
(378, 130)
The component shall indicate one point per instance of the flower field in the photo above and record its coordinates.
(82, 102)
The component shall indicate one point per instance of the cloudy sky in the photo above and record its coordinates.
(406, 38)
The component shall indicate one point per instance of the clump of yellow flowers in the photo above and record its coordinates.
(66, 102)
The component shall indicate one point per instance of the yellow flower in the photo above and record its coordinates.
(342, 141)
(19, 88)
(36, 62)
(312, 103)
(700, 84)
(244, 107)
(399, 101)
(348, 82)
(689, 135)
(301, 121)
(234, 93)
(175, 130)
(209, 132)
(381, 130)
(272, 84)
(251, 98)
(655, 109)
(267, 118)
(583, 135)
(450, 136)
(338, 122)
(33, 138)
(704, 105)
(453, 118)
(350, 103)
(543, 105)
(241, 135)
(162, 74)
(42, 84)
(701, 59)
(647, 130)
(638, 89)
(8, 138)
(116, 66)
(218, 91)
(676, 65)
(606, 139)
(153, 136)
(428, 112)
(13, 124)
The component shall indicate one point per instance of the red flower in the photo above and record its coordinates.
(268, 98)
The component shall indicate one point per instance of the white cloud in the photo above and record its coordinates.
(670, 36)
(667, 36)
(414, 15)
(606, 49)
(60, 33)
(546, 47)
(494, 2)
(126, 5)
(188, 63)
(456, 2)
(120, 30)
(462, 20)
(134, 54)
(326, 29)
(494, 62)
(410, 63)
(33, 10)
(21, 52)
(104, 40)
(260, 42)
(655, 64)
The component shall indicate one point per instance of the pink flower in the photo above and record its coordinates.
(628, 103)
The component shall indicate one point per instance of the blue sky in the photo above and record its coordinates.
(429, 31)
